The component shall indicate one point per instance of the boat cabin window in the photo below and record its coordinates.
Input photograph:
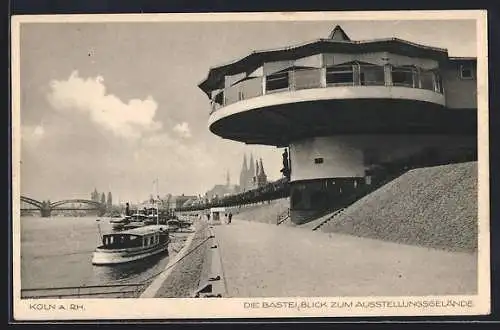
(149, 240)
(120, 241)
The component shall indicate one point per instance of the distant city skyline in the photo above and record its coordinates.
(115, 106)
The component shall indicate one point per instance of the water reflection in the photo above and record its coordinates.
(127, 272)
(57, 252)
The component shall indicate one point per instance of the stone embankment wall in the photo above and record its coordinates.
(266, 212)
(185, 277)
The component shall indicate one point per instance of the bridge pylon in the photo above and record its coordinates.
(45, 210)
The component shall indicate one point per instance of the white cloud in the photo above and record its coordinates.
(89, 96)
(183, 130)
(32, 134)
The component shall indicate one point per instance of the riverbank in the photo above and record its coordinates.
(182, 275)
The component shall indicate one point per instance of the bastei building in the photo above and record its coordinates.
(350, 113)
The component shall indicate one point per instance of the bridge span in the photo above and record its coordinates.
(46, 207)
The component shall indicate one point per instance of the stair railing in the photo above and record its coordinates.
(283, 216)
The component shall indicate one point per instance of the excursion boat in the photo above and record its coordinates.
(118, 224)
(173, 225)
(137, 220)
(131, 245)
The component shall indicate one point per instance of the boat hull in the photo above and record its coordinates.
(113, 257)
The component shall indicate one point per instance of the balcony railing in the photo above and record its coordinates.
(335, 76)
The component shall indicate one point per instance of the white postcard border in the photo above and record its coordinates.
(157, 308)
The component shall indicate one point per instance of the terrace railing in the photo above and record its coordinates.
(334, 76)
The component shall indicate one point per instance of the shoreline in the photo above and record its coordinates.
(183, 274)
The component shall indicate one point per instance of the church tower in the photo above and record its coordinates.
(261, 175)
(244, 174)
(251, 174)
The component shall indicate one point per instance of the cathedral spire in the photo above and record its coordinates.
(251, 169)
(244, 174)
(244, 166)
(262, 172)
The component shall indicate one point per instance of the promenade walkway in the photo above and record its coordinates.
(264, 260)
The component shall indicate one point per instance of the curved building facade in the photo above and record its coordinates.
(343, 107)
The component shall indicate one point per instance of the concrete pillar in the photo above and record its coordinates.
(388, 74)
(324, 169)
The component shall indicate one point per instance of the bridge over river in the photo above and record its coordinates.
(46, 207)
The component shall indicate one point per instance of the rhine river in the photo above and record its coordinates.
(57, 252)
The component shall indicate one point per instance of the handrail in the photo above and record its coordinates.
(283, 216)
(80, 294)
(272, 191)
(84, 286)
(79, 291)
(329, 218)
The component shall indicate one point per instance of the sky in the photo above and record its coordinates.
(115, 106)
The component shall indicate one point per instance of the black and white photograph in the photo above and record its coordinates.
(250, 165)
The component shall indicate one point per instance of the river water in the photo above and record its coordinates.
(57, 252)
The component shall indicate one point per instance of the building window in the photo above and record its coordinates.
(427, 80)
(371, 75)
(340, 75)
(439, 83)
(466, 72)
(403, 77)
(219, 98)
(277, 81)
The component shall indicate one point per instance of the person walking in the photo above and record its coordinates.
(230, 217)
(127, 209)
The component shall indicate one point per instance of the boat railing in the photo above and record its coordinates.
(129, 290)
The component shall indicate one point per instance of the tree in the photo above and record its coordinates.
(110, 199)
(103, 198)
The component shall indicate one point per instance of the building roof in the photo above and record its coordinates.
(339, 34)
(146, 230)
(338, 42)
(463, 59)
